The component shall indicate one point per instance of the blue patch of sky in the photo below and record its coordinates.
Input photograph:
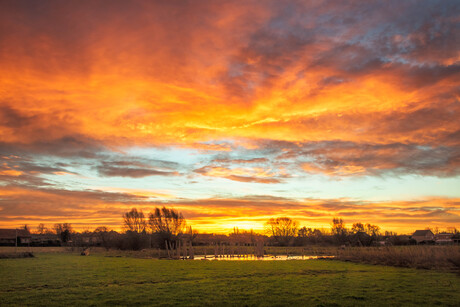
(301, 185)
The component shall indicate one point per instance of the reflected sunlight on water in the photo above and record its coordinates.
(265, 258)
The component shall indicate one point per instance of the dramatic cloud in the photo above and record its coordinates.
(255, 174)
(95, 207)
(205, 100)
(131, 169)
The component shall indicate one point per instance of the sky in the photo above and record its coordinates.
(231, 112)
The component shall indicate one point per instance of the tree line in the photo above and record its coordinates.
(163, 227)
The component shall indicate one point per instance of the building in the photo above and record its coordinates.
(8, 237)
(46, 239)
(444, 238)
(456, 238)
(423, 236)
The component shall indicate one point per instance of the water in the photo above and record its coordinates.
(264, 258)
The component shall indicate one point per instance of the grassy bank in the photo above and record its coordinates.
(445, 258)
(198, 250)
(68, 279)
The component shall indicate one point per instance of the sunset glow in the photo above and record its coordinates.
(232, 112)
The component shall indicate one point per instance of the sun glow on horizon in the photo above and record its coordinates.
(231, 113)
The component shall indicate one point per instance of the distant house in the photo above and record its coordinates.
(8, 237)
(88, 238)
(48, 239)
(456, 238)
(444, 238)
(423, 236)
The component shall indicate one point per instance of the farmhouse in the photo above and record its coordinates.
(444, 238)
(9, 236)
(423, 236)
(46, 239)
(456, 238)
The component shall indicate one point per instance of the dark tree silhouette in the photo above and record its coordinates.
(64, 231)
(372, 230)
(169, 224)
(282, 229)
(104, 235)
(134, 221)
(357, 227)
(338, 230)
(41, 229)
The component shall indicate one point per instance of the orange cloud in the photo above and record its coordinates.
(131, 86)
(93, 208)
(254, 174)
(260, 92)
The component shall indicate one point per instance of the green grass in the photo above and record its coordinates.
(69, 279)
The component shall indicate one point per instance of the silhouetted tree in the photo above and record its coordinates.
(41, 229)
(134, 221)
(282, 229)
(64, 231)
(372, 230)
(168, 224)
(104, 235)
(357, 227)
(304, 232)
(338, 230)
(309, 235)
(453, 230)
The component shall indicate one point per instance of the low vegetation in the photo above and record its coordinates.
(9, 255)
(70, 279)
(445, 258)
(422, 256)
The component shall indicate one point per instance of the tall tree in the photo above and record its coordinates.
(104, 235)
(167, 225)
(64, 231)
(282, 229)
(41, 229)
(304, 232)
(357, 227)
(168, 221)
(339, 230)
(134, 221)
(372, 230)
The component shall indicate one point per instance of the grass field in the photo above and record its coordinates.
(69, 279)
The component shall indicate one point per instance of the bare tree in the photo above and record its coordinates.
(135, 221)
(339, 230)
(168, 224)
(338, 226)
(452, 230)
(104, 235)
(372, 230)
(282, 229)
(41, 229)
(64, 231)
(166, 220)
(357, 227)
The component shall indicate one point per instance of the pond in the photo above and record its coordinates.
(264, 258)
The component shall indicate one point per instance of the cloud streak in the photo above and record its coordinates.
(222, 100)
(91, 208)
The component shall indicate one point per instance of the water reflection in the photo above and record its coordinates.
(264, 258)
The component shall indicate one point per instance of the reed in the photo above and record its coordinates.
(422, 257)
